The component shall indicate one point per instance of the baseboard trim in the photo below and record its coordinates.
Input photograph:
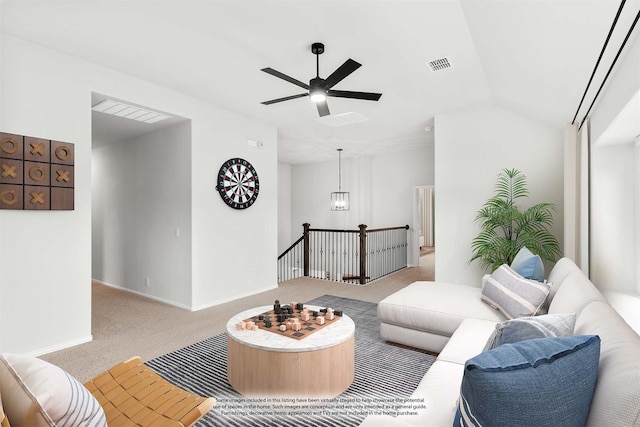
(59, 346)
(142, 294)
(183, 306)
(233, 298)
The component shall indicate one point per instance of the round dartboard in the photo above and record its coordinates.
(238, 183)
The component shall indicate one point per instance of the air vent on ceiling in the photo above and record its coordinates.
(127, 111)
(439, 64)
(335, 120)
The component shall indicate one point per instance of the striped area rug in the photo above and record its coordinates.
(385, 375)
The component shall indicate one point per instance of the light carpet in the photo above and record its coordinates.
(385, 376)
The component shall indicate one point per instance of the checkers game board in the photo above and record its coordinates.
(307, 327)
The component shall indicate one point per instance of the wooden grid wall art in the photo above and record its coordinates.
(35, 173)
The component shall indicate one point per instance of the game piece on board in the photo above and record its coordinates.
(320, 320)
(283, 328)
(241, 326)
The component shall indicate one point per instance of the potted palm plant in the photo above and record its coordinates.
(505, 229)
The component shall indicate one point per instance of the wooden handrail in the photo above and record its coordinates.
(406, 227)
(286, 251)
(333, 230)
(369, 255)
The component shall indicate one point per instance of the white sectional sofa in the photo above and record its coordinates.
(452, 320)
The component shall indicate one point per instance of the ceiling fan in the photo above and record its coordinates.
(319, 88)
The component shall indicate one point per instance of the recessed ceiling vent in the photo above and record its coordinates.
(439, 64)
(336, 120)
(127, 111)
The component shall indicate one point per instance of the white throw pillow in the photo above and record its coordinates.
(36, 393)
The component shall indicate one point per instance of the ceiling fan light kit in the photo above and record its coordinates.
(318, 88)
(317, 95)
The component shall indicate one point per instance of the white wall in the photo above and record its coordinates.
(226, 241)
(45, 256)
(284, 207)
(471, 148)
(141, 214)
(45, 268)
(380, 187)
(615, 181)
(613, 255)
(622, 85)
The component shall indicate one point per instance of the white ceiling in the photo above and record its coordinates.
(534, 57)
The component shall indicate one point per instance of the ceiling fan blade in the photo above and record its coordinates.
(343, 71)
(285, 77)
(323, 108)
(286, 98)
(367, 96)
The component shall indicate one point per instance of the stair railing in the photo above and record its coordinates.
(349, 256)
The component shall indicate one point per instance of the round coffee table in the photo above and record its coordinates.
(262, 363)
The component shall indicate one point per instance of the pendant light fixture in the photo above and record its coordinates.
(340, 199)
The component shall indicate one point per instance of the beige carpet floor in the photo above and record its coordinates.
(125, 324)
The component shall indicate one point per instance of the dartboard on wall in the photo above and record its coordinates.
(238, 183)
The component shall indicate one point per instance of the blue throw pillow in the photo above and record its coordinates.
(544, 382)
(528, 265)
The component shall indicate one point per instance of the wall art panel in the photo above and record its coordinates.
(36, 173)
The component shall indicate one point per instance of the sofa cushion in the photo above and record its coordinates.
(528, 265)
(438, 391)
(526, 328)
(413, 337)
(576, 292)
(512, 294)
(435, 307)
(439, 388)
(616, 400)
(467, 341)
(540, 382)
(558, 273)
(36, 393)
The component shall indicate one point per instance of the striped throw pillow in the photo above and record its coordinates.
(36, 393)
(514, 295)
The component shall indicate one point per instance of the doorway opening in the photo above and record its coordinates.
(141, 202)
(423, 236)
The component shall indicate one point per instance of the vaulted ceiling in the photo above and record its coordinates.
(534, 57)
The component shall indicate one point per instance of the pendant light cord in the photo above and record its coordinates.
(339, 170)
